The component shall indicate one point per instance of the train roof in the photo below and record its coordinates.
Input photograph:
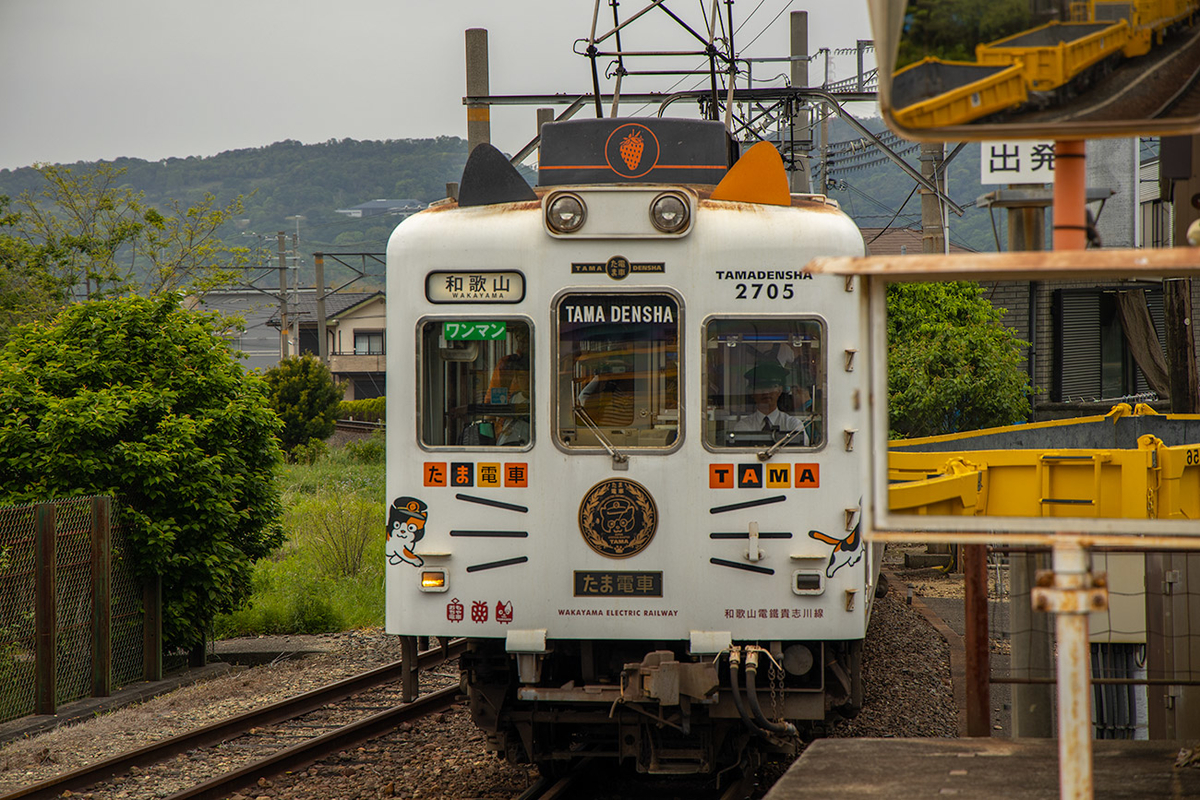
(628, 150)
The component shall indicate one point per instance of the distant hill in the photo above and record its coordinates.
(289, 178)
(871, 188)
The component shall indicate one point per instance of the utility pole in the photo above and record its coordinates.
(933, 232)
(283, 303)
(1180, 167)
(1032, 637)
(479, 119)
(799, 122)
(322, 333)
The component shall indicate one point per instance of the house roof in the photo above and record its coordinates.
(336, 305)
(898, 241)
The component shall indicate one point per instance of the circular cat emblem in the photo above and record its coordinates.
(617, 268)
(618, 518)
(631, 150)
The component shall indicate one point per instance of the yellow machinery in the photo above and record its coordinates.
(933, 93)
(1055, 53)
(1148, 19)
(1129, 463)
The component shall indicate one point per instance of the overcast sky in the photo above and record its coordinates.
(100, 79)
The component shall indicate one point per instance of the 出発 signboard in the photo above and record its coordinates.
(1017, 161)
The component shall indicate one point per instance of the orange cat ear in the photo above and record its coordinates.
(757, 177)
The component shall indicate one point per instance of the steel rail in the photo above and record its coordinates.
(301, 755)
(227, 729)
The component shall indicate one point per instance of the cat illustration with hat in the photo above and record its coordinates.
(406, 527)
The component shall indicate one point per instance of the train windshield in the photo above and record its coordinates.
(475, 383)
(618, 371)
(765, 383)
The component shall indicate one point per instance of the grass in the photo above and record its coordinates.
(328, 576)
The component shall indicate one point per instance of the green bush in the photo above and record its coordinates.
(310, 452)
(371, 410)
(329, 574)
(302, 391)
(952, 364)
(371, 450)
(139, 399)
(337, 526)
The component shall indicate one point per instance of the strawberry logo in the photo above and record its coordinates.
(631, 149)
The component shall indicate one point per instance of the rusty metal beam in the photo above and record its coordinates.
(979, 716)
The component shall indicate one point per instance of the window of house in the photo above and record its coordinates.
(765, 383)
(1092, 359)
(618, 381)
(475, 383)
(368, 343)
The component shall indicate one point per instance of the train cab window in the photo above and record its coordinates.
(475, 383)
(765, 383)
(618, 371)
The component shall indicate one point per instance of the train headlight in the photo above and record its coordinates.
(669, 213)
(433, 580)
(566, 213)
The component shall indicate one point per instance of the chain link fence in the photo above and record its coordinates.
(1145, 646)
(71, 619)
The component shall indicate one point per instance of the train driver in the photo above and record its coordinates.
(765, 383)
(509, 385)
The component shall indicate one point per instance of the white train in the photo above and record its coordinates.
(624, 456)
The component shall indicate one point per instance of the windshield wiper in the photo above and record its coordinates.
(620, 460)
(763, 455)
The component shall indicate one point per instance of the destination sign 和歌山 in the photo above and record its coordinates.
(475, 286)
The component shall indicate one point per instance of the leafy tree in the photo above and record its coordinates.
(950, 29)
(952, 364)
(109, 242)
(142, 400)
(302, 391)
(28, 290)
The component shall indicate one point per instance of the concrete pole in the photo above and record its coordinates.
(283, 303)
(1032, 648)
(800, 121)
(322, 332)
(479, 119)
(933, 235)
(544, 115)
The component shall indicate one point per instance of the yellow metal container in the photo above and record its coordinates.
(1055, 53)
(933, 93)
(1120, 465)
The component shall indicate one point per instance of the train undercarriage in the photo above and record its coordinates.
(655, 707)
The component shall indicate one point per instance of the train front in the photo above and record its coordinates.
(623, 448)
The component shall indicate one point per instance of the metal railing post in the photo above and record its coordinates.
(1072, 592)
(101, 597)
(152, 664)
(45, 613)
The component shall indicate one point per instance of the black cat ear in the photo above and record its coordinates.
(488, 178)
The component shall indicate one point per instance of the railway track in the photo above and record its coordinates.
(295, 731)
(1185, 102)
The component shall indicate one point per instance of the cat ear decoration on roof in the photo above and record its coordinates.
(757, 177)
(489, 178)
